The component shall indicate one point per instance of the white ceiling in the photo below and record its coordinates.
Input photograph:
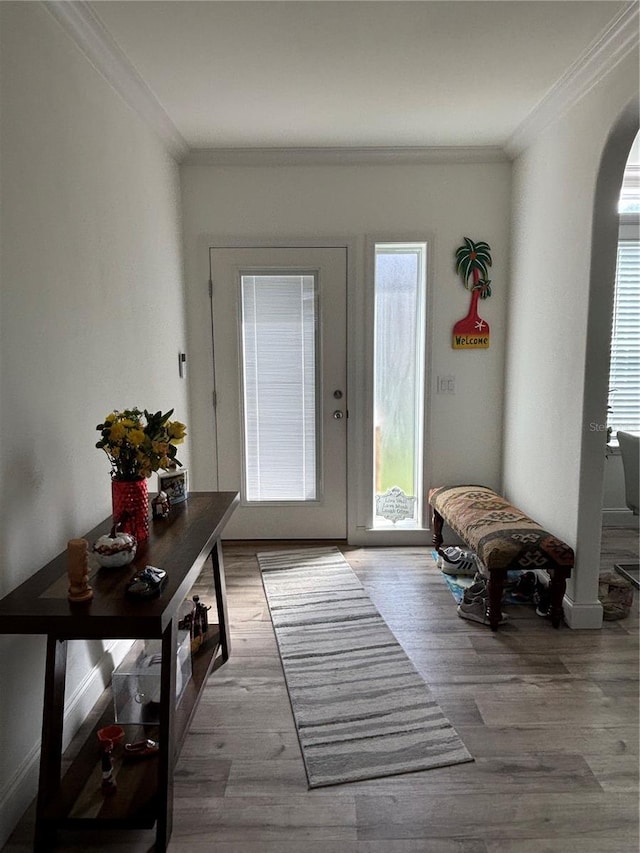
(352, 74)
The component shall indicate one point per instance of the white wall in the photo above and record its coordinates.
(546, 423)
(349, 202)
(92, 318)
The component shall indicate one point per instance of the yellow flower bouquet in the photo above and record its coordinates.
(139, 443)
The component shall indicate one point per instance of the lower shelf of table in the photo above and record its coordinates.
(134, 805)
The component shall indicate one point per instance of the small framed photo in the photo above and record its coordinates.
(175, 484)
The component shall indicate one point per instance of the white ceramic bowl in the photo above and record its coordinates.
(113, 552)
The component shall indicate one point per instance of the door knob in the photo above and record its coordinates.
(338, 415)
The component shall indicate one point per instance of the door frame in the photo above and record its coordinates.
(361, 532)
(351, 329)
(359, 336)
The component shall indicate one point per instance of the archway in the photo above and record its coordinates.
(604, 239)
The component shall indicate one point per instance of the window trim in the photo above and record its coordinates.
(360, 531)
(421, 248)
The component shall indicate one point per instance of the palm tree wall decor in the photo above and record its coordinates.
(472, 260)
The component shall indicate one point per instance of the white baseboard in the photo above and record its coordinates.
(582, 616)
(619, 518)
(85, 696)
(17, 794)
(19, 791)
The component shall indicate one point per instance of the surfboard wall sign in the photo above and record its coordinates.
(472, 262)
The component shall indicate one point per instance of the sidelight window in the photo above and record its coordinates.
(399, 381)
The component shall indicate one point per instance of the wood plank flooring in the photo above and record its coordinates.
(551, 718)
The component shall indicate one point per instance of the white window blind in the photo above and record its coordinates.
(279, 322)
(630, 192)
(624, 378)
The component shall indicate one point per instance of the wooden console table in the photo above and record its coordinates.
(181, 544)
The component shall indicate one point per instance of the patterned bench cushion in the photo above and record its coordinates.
(501, 535)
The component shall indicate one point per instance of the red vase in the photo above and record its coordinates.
(130, 501)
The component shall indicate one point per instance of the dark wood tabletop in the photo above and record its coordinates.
(180, 544)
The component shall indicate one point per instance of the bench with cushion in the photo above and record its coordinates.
(503, 538)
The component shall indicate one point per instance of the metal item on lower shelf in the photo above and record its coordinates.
(136, 684)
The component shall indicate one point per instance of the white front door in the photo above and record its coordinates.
(279, 344)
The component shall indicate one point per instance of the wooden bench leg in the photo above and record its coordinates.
(438, 521)
(496, 588)
(556, 594)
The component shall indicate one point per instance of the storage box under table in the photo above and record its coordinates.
(136, 681)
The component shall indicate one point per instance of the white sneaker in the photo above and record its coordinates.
(456, 561)
(476, 590)
(477, 611)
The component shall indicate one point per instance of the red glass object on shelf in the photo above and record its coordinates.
(130, 501)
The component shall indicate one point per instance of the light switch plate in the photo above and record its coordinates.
(446, 385)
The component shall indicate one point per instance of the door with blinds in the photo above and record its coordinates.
(279, 344)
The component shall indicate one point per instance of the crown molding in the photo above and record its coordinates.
(344, 156)
(86, 29)
(88, 32)
(616, 41)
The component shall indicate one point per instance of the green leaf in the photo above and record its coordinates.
(467, 265)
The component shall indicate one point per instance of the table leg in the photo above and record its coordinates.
(166, 757)
(221, 600)
(52, 730)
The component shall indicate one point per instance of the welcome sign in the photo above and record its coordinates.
(472, 332)
(472, 260)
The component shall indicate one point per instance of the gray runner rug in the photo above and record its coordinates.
(360, 707)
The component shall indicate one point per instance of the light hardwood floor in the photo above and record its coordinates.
(551, 718)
